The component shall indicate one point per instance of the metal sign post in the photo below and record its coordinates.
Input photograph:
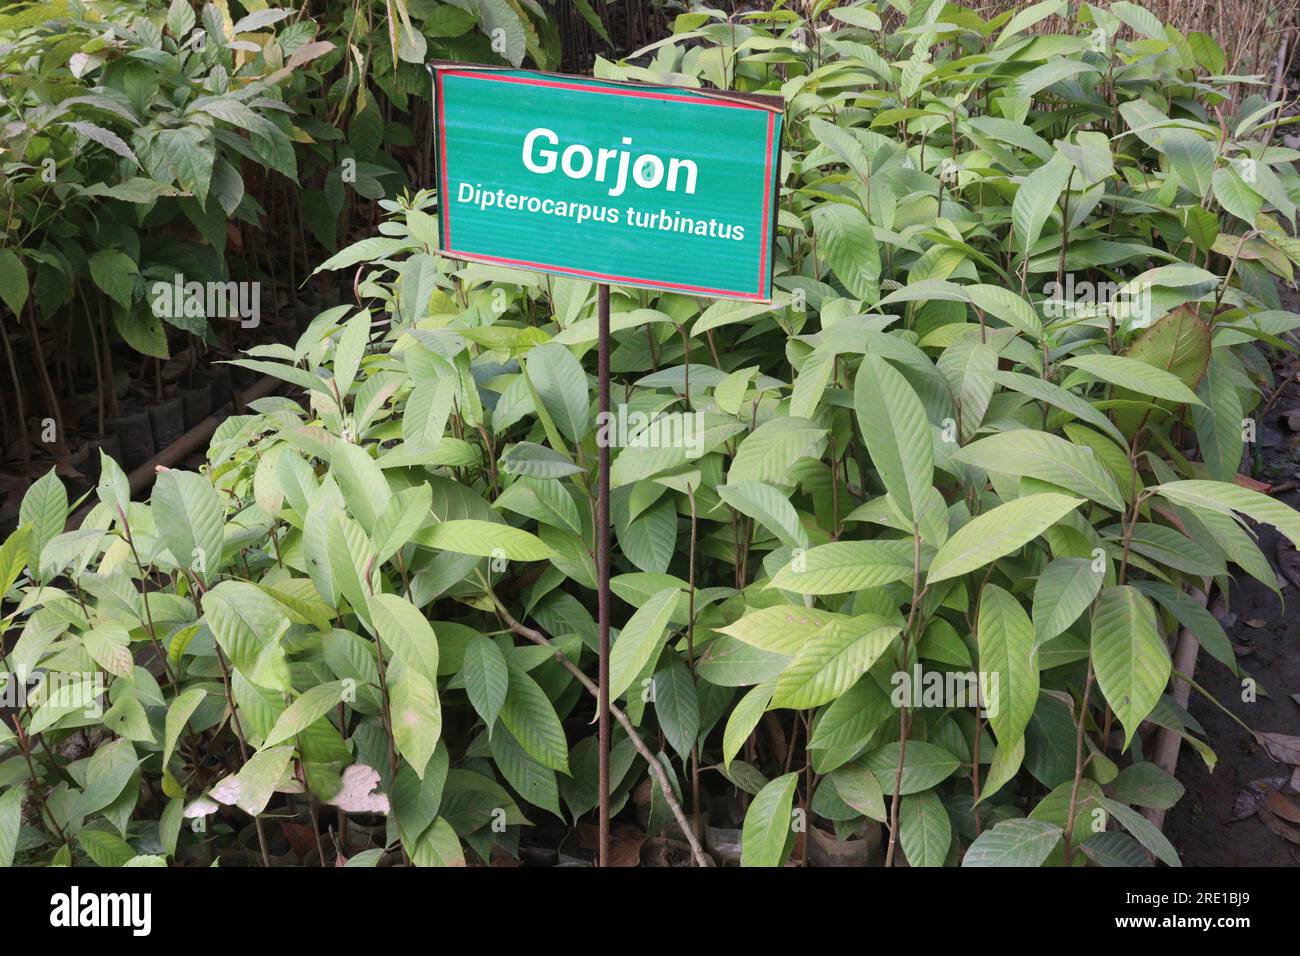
(630, 184)
(602, 569)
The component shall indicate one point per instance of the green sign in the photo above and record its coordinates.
(660, 187)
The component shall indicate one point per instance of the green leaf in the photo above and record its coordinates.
(486, 539)
(1003, 767)
(1129, 655)
(744, 718)
(104, 848)
(1029, 453)
(858, 787)
(348, 351)
(305, 711)
(848, 246)
(1226, 498)
(114, 272)
(416, 716)
(1136, 376)
(403, 628)
(1067, 401)
(1006, 305)
(424, 420)
(561, 384)
(677, 706)
(1235, 196)
(437, 846)
(109, 771)
(13, 281)
(897, 433)
(1038, 194)
(1191, 615)
(529, 715)
(781, 629)
(1219, 423)
(44, 509)
(770, 507)
(924, 765)
(178, 714)
(11, 818)
(924, 830)
(998, 532)
(640, 640)
(1014, 843)
(1006, 649)
(107, 646)
(1146, 785)
(766, 832)
(188, 513)
(14, 556)
(1143, 830)
(487, 678)
(248, 625)
(832, 661)
(771, 450)
(843, 566)
(1065, 589)
(188, 151)
(251, 788)
(1191, 156)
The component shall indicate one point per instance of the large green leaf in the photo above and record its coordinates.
(846, 241)
(1129, 655)
(305, 711)
(561, 384)
(640, 640)
(188, 513)
(1034, 454)
(897, 433)
(248, 625)
(1136, 376)
(924, 830)
(1065, 589)
(766, 833)
(832, 660)
(1037, 197)
(530, 716)
(44, 509)
(998, 532)
(486, 539)
(1226, 498)
(1008, 661)
(1014, 843)
(846, 566)
(487, 678)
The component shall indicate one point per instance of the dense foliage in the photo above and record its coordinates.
(988, 435)
(149, 143)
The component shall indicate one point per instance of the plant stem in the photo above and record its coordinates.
(656, 769)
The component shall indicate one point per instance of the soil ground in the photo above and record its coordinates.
(1267, 638)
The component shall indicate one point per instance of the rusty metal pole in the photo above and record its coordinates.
(602, 567)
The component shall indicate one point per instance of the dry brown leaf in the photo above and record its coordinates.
(301, 837)
(1281, 806)
(1283, 747)
(1282, 829)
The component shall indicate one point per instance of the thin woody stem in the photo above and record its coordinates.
(656, 769)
